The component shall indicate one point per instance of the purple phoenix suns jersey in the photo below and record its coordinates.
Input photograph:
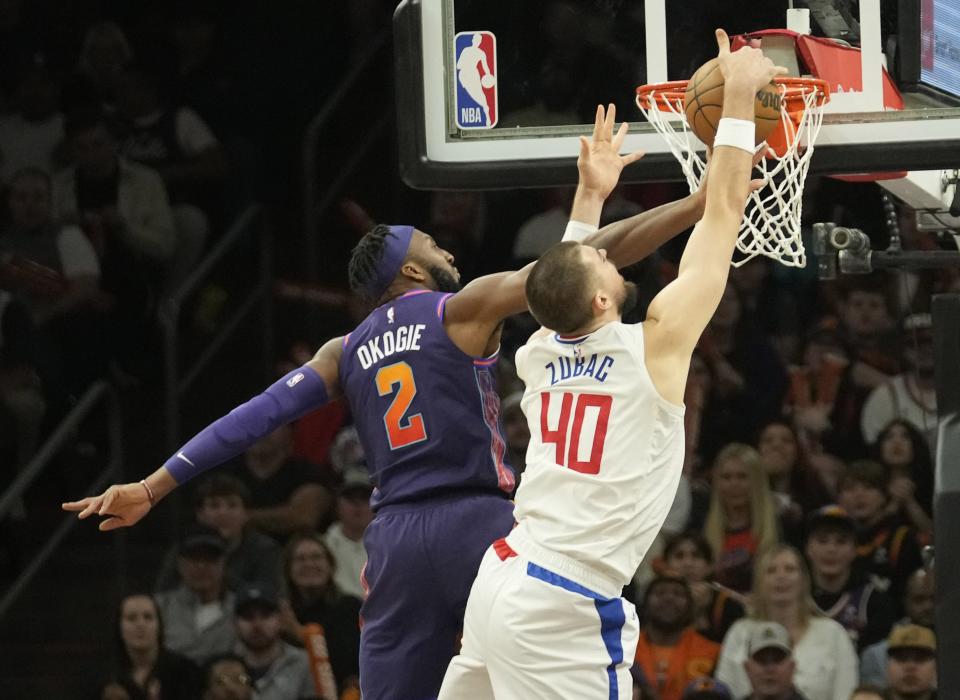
(428, 414)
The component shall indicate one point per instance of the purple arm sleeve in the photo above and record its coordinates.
(294, 395)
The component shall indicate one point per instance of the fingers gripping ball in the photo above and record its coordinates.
(488, 81)
(703, 103)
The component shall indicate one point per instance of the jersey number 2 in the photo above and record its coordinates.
(568, 451)
(400, 431)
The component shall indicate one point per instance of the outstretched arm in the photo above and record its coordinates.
(485, 302)
(679, 313)
(296, 394)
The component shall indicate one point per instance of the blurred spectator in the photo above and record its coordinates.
(72, 306)
(279, 670)
(221, 502)
(345, 536)
(902, 449)
(841, 592)
(105, 53)
(825, 401)
(866, 324)
(770, 665)
(22, 404)
(886, 546)
(141, 664)
(122, 206)
(912, 394)
(177, 143)
(741, 521)
(31, 135)
(286, 497)
(670, 652)
(715, 608)
(197, 614)
(912, 664)
(22, 410)
(795, 487)
(826, 663)
(226, 677)
(918, 603)
(749, 379)
(123, 209)
(314, 597)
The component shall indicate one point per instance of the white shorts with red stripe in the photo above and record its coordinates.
(538, 627)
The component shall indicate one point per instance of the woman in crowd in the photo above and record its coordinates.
(313, 597)
(903, 450)
(796, 489)
(741, 520)
(141, 665)
(826, 663)
(716, 608)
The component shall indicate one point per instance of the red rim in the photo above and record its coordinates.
(668, 95)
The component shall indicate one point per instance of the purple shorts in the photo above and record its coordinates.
(421, 561)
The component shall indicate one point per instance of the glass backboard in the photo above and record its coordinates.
(493, 93)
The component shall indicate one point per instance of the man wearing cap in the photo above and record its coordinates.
(919, 605)
(197, 614)
(769, 664)
(840, 592)
(419, 376)
(912, 664)
(345, 536)
(279, 670)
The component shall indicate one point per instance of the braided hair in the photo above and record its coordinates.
(365, 257)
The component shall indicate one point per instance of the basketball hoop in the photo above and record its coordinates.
(771, 223)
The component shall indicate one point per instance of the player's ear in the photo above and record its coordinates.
(602, 301)
(413, 270)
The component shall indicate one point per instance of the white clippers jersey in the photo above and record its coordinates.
(606, 450)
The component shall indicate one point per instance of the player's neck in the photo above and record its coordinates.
(596, 324)
(401, 287)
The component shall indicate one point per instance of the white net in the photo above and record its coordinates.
(771, 222)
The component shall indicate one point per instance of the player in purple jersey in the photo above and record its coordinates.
(418, 375)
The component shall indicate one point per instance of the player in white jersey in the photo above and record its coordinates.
(603, 402)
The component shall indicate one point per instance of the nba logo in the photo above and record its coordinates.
(476, 76)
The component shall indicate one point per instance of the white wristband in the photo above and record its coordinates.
(577, 231)
(738, 133)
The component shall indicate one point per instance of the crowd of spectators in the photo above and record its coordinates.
(790, 566)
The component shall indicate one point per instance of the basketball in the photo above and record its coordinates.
(488, 81)
(703, 103)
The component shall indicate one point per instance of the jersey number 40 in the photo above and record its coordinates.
(566, 437)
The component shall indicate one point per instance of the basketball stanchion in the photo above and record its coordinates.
(771, 223)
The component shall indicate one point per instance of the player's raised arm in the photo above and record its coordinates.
(296, 394)
(680, 312)
(486, 301)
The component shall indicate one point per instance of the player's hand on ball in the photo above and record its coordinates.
(488, 81)
(122, 505)
(746, 67)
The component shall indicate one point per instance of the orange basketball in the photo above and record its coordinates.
(703, 103)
